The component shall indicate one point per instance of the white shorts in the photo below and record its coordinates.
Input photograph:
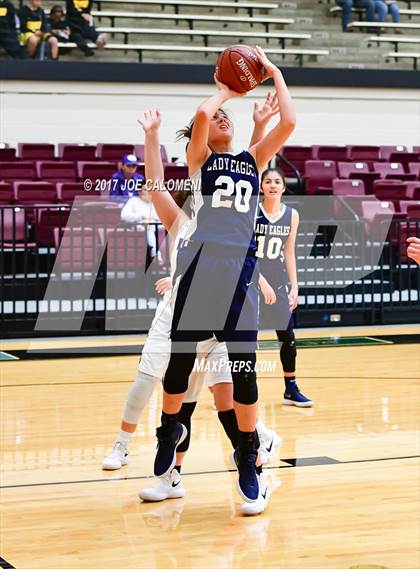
(211, 355)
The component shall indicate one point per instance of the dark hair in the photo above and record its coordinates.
(277, 170)
(56, 8)
(186, 132)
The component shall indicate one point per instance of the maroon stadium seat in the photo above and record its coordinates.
(14, 229)
(345, 169)
(414, 205)
(395, 196)
(362, 153)
(95, 171)
(405, 158)
(413, 190)
(388, 189)
(17, 171)
(32, 193)
(77, 248)
(174, 172)
(348, 187)
(319, 175)
(297, 155)
(7, 195)
(67, 191)
(36, 151)
(126, 249)
(358, 171)
(416, 149)
(335, 153)
(386, 151)
(7, 154)
(56, 171)
(139, 152)
(388, 168)
(76, 152)
(113, 152)
(414, 168)
(48, 219)
(413, 211)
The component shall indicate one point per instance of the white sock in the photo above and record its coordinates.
(124, 437)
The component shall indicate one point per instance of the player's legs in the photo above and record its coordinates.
(53, 43)
(288, 353)
(138, 397)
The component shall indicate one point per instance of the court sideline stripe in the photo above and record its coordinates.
(290, 463)
(112, 382)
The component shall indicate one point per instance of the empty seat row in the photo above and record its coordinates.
(74, 152)
(69, 171)
(320, 173)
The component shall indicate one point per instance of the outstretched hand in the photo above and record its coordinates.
(269, 67)
(264, 111)
(151, 120)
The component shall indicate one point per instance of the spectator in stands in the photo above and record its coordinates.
(57, 24)
(140, 209)
(8, 34)
(126, 182)
(347, 6)
(81, 26)
(385, 7)
(413, 249)
(34, 29)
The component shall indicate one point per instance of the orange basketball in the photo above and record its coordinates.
(238, 67)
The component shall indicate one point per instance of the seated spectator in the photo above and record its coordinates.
(385, 7)
(33, 29)
(8, 34)
(347, 6)
(57, 24)
(140, 209)
(126, 182)
(413, 249)
(81, 25)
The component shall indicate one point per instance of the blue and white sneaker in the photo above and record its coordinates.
(166, 450)
(293, 396)
(247, 483)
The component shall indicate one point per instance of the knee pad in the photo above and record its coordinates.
(244, 377)
(184, 417)
(288, 350)
(179, 368)
(138, 396)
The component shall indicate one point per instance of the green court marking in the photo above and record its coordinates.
(4, 357)
(326, 342)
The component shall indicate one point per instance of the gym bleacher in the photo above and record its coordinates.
(298, 33)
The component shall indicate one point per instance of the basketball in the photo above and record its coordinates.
(238, 67)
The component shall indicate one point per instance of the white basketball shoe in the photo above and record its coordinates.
(116, 458)
(167, 487)
(269, 442)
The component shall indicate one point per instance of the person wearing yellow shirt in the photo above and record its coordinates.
(33, 28)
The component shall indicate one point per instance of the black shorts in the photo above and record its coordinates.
(215, 292)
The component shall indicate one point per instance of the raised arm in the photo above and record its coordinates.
(170, 214)
(261, 116)
(290, 260)
(198, 150)
(268, 146)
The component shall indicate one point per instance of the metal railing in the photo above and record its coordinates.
(80, 269)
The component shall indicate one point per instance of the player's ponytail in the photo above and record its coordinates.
(185, 132)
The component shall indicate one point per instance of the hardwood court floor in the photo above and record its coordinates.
(351, 497)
